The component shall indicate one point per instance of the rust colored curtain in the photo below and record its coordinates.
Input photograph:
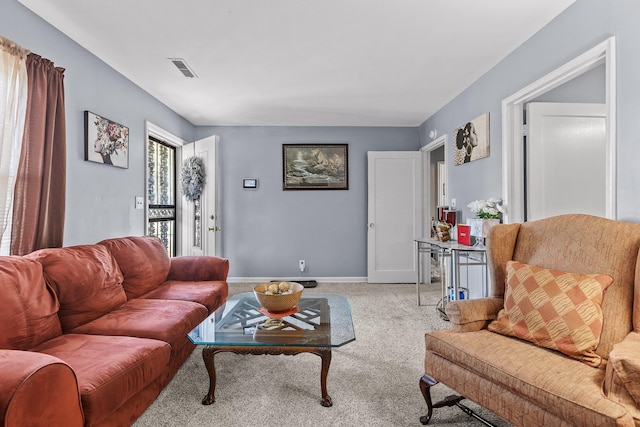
(39, 198)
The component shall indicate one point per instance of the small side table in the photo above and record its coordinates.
(461, 255)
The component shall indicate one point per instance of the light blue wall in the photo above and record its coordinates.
(266, 231)
(589, 87)
(582, 26)
(100, 198)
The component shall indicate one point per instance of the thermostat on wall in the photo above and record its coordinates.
(249, 183)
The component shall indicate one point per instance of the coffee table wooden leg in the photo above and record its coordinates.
(207, 354)
(325, 354)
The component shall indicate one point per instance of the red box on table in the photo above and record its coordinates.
(464, 234)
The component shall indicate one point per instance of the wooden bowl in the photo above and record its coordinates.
(278, 302)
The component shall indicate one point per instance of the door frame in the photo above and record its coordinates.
(156, 131)
(513, 179)
(426, 150)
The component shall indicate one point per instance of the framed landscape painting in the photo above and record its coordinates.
(315, 167)
(105, 141)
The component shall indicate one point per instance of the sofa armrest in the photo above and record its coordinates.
(198, 268)
(38, 389)
(623, 369)
(473, 314)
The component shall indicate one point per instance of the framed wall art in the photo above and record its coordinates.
(471, 140)
(105, 141)
(315, 167)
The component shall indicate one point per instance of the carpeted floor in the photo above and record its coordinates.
(372, 381)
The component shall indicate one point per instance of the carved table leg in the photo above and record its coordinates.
(207, 354)
(325, 354)
(426, 382)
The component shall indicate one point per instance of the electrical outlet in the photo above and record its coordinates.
(139, 202)
(302, 264)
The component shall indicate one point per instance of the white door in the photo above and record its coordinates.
(202, 225)
(441, 183)
(567, 159)
(394, 209)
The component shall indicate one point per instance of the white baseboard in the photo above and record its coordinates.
(293, 279)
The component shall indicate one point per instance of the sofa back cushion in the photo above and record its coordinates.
(86, 279)
(586, 244)
(28, 307)
(143, 260)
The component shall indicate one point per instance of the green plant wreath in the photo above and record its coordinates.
(192, 178)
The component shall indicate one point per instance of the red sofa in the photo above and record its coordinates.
(90, 335)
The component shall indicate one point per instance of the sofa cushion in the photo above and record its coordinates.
(110, 369)
(554, 309)
(29, 310)
(86, 279)
(168, 321)
(211, 294)
(144, 262)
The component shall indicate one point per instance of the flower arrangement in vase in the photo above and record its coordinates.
(487, 214)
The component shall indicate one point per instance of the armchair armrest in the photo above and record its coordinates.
(474, 314)
(198, 268)
(38, 389)
(623, 369)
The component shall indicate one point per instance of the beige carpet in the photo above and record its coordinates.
(372, 381)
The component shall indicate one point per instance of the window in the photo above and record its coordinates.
(13, 107)
(162, 193)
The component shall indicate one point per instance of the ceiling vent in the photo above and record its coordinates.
(181, 64)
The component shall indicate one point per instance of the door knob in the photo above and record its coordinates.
(371, 225)
(212, 217)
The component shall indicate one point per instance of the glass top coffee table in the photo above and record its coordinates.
(322, 322)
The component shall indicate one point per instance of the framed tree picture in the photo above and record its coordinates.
(105, 141)
(315, 167)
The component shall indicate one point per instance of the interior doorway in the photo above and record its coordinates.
(513, 148)
(435, 188)
(435, 175)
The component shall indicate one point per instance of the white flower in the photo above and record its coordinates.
(491, 208)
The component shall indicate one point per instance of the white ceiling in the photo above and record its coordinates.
(302, 62)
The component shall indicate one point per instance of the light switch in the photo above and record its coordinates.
(139, 202)
(453, 204)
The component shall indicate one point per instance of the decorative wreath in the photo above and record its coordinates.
(192, 178)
